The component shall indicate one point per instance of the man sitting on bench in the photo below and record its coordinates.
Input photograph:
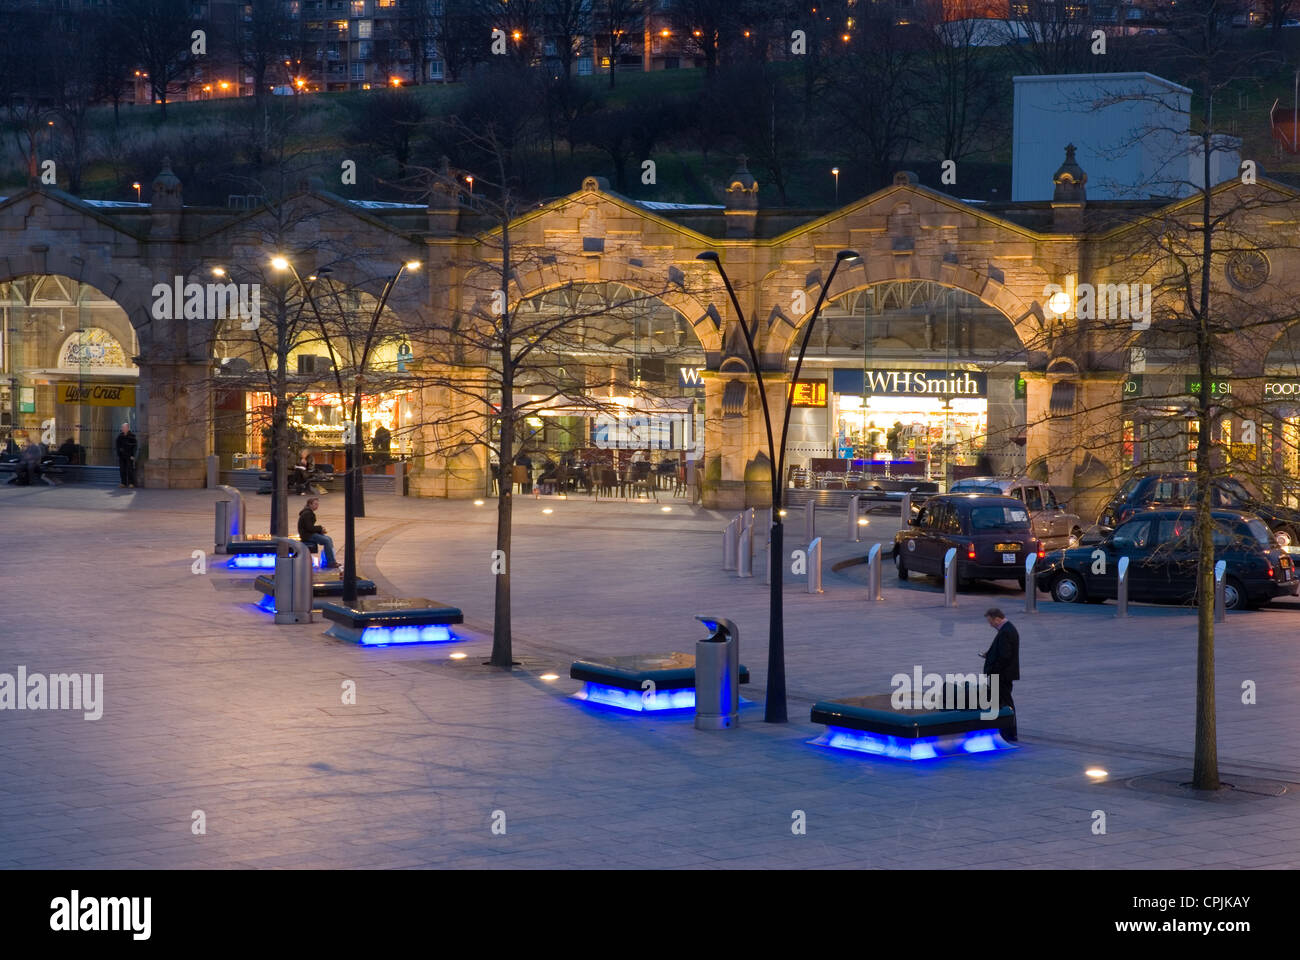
(309, 532)
(29, 466)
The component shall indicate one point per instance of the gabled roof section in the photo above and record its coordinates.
(1182, 207)
(70, 202)
(592, 188)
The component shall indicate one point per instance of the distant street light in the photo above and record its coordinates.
(136, 187)
(835, 172)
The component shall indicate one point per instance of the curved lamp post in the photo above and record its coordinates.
(774, 710)
(355, 453)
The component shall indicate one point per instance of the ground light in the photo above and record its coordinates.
(665, 509)
(393, 636)
(261, 561)
(547, 510)
(636, 700)
(478, 503)
(1096, 773)
(457, 655)
(549, 676)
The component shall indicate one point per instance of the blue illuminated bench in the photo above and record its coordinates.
(641, 682)
(384, 621)
(871, 725)
(323, 586)
(257, 552)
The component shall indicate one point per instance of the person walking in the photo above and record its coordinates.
(310, 532)
(127, 445)
(1002, 659)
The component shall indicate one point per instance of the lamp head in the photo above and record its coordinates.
(848, 255)
(413, 264)
(708, 255)
(280, 263)
(325, 272)
(218, 271)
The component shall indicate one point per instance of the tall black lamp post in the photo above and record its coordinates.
(774, 710)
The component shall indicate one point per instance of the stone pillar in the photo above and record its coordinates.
(449, 458)
(737, 473)
(174, 413)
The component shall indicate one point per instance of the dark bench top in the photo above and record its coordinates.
(391, 612)
(876, 714)
(668, 671)
(322, 585)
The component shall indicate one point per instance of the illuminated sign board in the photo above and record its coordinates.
(808, 393)
(898, 383)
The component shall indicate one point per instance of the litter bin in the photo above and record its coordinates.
(717, 676)
(293, 589)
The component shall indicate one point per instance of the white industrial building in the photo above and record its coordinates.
(1132, 132)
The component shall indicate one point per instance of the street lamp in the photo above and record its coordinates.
(136, 187)
(835, 172)
(774, 710)
(352, 483)
(470, 181)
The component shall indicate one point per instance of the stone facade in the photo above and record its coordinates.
(775, 260)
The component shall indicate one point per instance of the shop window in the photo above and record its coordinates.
(1193, 441)
(1129, 455)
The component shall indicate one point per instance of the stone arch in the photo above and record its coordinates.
(1023, 317)
(542, 279)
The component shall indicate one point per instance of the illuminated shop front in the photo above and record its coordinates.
(921, 380)
(921, 421)
(68, 382)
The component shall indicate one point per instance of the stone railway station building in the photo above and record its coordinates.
(967, 336)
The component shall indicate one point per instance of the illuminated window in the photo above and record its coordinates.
(358, 8)
(365, 28)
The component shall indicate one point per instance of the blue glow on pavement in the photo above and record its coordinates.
(261, 561)
(635, 701)
(391, 636)
(907, 748)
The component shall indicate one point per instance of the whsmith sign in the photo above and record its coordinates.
(901, 383)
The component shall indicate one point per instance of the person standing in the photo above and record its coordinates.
(310, 532)
(127, 445)
(1002, 659)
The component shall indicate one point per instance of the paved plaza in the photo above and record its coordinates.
(209, 706)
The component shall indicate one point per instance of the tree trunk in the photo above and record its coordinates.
(502, 645)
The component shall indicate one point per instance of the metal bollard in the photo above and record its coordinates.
(1031, 585)
(399, 478)
(767, 577)
(730, 538)
(750, 519)
(855, 532)
(873, 573)
(809, 521)
(815, 566)
(717, 676)
(1121, 592)
(745, 555)
(1220, 608)
(950, 577)
(214, 467)
(905, 511)
(229, 518)
(293, 592)
(221, 535)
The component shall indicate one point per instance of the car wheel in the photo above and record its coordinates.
(1234, 595)
(1285, 536)
(1075, 536)
(899, 565)
(1067, 588)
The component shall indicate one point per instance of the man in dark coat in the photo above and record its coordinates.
(127, 445)
(1002, 659)
(309, 532)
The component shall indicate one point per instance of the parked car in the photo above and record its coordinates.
(1179, 490)
(1163, 551)
(991, 534)
(1052, 524)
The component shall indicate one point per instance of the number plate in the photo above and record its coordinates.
(1008, 558)
(1287, 573)
(1007, 547)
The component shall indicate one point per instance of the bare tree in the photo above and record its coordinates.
(501, 361)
